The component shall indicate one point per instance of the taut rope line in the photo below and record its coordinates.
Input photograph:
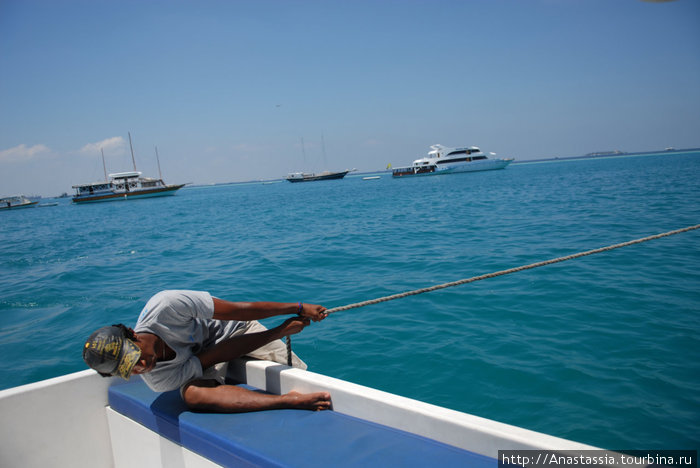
(498, 273)
(506, 272)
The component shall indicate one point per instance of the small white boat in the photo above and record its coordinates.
(123, 186)
(16, 202)
(84, 420)
(444, 160)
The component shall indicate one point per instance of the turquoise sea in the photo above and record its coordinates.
(603, 350)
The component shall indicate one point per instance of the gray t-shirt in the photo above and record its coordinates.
(184, 320)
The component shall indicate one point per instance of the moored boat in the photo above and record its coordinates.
(123, 186)
(310, 176)
(16, 202)
(444, 160)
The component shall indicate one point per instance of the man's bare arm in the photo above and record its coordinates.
(241, 345)
(246, 311)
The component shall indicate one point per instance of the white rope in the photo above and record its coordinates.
(491, 275)
(506, 272)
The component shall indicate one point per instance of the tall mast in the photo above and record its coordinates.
(303, 152)
(103, 164)
(323, 148)
(160, 176)
(132, 152)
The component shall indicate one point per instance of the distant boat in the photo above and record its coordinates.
(124, 185)
(310, 176)
(371, 178)
(16, 202)
(444, 160)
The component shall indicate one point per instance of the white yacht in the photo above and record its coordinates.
(444, 160)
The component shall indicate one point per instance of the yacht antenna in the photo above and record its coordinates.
(103, 164)
(160, 176)
(132, 152)
(323, 148)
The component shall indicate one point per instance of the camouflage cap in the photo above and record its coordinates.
(109, 351)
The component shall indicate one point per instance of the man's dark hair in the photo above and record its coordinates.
(126, 330)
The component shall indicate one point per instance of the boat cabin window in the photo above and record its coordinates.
(93, 188)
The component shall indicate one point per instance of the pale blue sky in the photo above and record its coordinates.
(227, 89)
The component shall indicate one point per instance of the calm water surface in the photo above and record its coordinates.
(603, 350)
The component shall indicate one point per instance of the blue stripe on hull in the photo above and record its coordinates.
(125, 196)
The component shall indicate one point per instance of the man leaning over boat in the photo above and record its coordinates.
(185, 339)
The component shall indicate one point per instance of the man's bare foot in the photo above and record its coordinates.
(310, 401)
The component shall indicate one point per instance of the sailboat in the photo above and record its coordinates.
(124, 185)
(312, 176)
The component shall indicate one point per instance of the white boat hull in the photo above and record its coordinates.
(475, 166)
(58, 422)
(19, 207)
(67, 421)
(451, 168)
(117, 196)
(16, 202)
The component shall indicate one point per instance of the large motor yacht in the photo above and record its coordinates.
(444, 160)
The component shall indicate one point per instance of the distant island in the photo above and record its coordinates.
(608, 154)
